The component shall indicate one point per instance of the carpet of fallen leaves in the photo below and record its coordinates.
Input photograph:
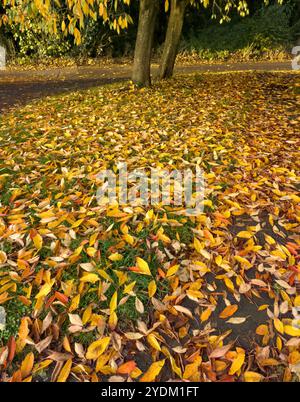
(128, 293)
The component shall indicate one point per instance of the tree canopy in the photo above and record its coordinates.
(71, 15)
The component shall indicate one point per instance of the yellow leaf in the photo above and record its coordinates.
(198, 246)
(297, 301)
(116, 257)
(263, 307)
(205, 254)
(112, 321)
(219, 260)
(153, 371)
(279, 325)
(205, 314)
(38, 241)
(23, 329)
(278, 343)
(269, 239)
(166, 5)
(93, 239)
(161, 236)
(91, 251)
(129, 239)
(143, 266)
(97, 348)
(191, 369)
(91, 278)
(65, 371)
(152, 288)
(172, 270)
(292, 331)
(45, 290)
(77, 223)
(237, 363)
(243, 261)
(129, 288)
(74, 303)
(87, 314)
(153, 342)
(113, 302)
(149, 215)
(104, 275)
(251, 376)
(3, 257)
(229, 283)
(244, 234)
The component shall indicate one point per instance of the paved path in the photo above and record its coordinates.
(20, 87)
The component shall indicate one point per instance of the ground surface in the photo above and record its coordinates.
(19, 87)
(147, 292)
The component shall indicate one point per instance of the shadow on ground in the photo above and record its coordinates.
(20, 87)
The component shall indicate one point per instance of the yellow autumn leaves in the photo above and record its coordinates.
(97, 348)
(143, 267)
(95, 268)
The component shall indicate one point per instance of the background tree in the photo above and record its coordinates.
(221, 8)
(72, 16)
(172, 38)
(144, 41)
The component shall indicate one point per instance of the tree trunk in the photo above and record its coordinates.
(172, 38)
(143, 47)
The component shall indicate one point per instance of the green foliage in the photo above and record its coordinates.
(251, 37)
(266, 31)
(15, 310)
(33, 41)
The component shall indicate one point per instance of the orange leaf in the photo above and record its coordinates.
(262, 330)
(228, 311)
(27, 365)
(61, 297)
(127, 367)
(205, 314)
(12, 349)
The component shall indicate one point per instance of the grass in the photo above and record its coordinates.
(15, 310)
(239, 128)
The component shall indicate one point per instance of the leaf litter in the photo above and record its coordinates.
(95, 293)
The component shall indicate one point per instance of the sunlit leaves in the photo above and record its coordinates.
(228, 311)
(91, 286)
(97, 348)
(72, 21)
(142, 267)
(237, 362)
(65, 371)
(27, 365)
(153, 371)
(152, 288)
